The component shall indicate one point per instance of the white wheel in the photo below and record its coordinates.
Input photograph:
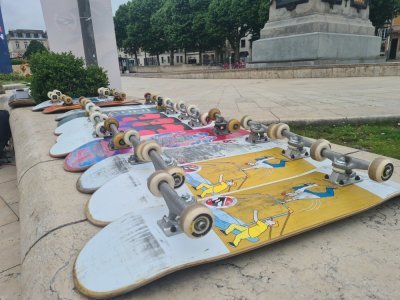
(168, 102)
(176, 107)
(147, 147)
(93, 117)
(381, 169)
(129, 134)
(245, 122)
(103, 117)
(178, 174)
(153, 182)
(279, 130)
(54, 97)
(57, 92)
(96, 109)
(271, 131)
(100, 129)
(182, 105)
(138, 151)
(100, 91)
(317, 148)
(196, 220)
(89, 106)
(189, 109)
(106, 92)
(204, 119)
(49, 95)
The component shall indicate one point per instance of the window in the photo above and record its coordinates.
(162, 59)
(243, 43)
(17, 45)
(26, 44)
(181, 59)
(36, 35)
(28, 34)
(19, 34)
(169, 59)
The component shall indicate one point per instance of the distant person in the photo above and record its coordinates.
(5, 131)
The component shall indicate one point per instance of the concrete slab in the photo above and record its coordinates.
(9, 246)
(10, 285)
(7, 216)
(7, 173)
(9, 192)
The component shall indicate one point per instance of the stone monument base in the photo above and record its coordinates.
(315, 49)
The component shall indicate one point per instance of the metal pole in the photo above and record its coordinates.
(89, 43)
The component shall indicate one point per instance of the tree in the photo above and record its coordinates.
(381, 11)
(236, 19)
(34, 47)
(121, 22)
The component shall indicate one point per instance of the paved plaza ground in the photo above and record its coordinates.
(281, 99)
(322, 264)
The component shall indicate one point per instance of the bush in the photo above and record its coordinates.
(34, 47)
(14, 77)
(64, 72)
(17, 61)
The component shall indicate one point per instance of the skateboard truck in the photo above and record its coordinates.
(257, 130)
(181, 109)
(160, 104)
(221, 125)
(103, 92)
(151, 151)
(380, 169)
(196, 118)
(169, 106)
(95, 116)
(185, 215)
(296, 143)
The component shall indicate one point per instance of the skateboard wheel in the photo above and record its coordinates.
(317, 148)
(129, 134)
(106, 92)
(178, 174)
(233, 125)
(245, 122)
(49, 95)
(118, 141)
(147, 96)
(279, 130)
(204, 119)
(271, 131)
(160, 101)
(84, 101)
(381, 169)
(88, 106)
(182, 106)
(109, 121)
(147, 147)
(176, 107)
(123, 95)
(154, 98)
(68, 101)
(103, 117)
(100, 91)
(190, 108)
(156, 178)
(212, 114)
(138, 151)
(93, 117)
(54, 97)
(95, 109)
(196, 220)
(168, 102)
(100, 130)
(57, 92)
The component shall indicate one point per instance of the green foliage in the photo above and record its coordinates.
(382, 11)
(17, 61)
(34, 47)
(14, 77)
(66, 73)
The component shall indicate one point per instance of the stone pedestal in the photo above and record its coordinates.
(314, 32)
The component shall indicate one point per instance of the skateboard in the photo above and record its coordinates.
(151, 242)
(87, 155)
(106, 170)
(21, 98)
(49, 103)
(146, 124)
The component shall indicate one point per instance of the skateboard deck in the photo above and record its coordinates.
(203, 179)
(84, 124)
(21, 98)
(48, 103)
(145, 124)
(134, 251)
(78, 113)
(62, 108)
(111, 167)
(94, 152)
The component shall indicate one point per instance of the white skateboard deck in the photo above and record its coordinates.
(76, 124)
(133, 250)
(109, 168)
(129, 191)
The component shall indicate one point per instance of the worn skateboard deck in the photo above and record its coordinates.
(84, 124)
(145, 124)
(78, 113)
(203, 179)
(111, 167)
(62, 108)
(94, 152)
(21, 98)
(48, 103)
(134, 251)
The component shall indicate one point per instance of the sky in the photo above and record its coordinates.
(27, 14)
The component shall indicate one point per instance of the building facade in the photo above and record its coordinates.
(18, 40)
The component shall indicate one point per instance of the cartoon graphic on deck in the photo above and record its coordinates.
(266, 162)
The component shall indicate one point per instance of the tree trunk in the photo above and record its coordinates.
(158, 59)
(136, 60)
(237, 50)
(172, 57)
(145, 59)
(200, 57)
(185, 56)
